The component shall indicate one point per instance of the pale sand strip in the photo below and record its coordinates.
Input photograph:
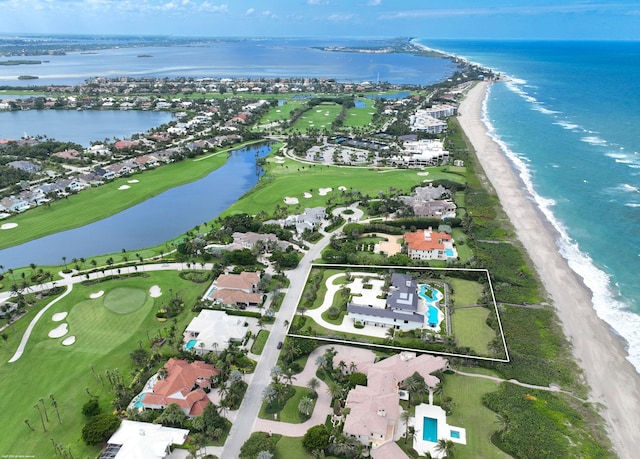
(613, 380)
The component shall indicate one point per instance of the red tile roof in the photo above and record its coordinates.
(426, 240)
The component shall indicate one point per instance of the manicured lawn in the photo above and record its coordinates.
(289, 412)
(260, 341)
(320, 117)
(464, 251)
(282, 112)
(471, 414)
(358, 117)
(471, 330)
(104, 340)
(291, 447)
(125, 300)
(293, 179)
(465, 292)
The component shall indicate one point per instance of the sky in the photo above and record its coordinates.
(492, 19)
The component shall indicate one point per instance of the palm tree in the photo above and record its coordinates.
(313, 385)
(64, 260)
(26, 421)
(37, 407)
(404, 417)
(54, 404)
(305, 406)
(41, 400)
(504, 425)
(446, 447)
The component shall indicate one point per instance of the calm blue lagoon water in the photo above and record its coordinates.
(273, 57)
(82, 127)
(151, 222)
(568, 120)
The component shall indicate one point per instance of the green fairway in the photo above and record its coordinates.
(282, 112)
(97, 203)
(471, 330)
(293, 179)
(359, 117)
(469, 412)
(319, 117)
(125, 300)
(104, 340)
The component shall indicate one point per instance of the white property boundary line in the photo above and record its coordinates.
(385, 346)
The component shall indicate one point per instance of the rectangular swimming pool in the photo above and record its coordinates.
(448, 252)
(430, 429)
(454, 434)
(190, 344)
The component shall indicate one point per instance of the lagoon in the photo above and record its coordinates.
(151, 222)
(82, 127)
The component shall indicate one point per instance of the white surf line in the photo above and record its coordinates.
(34, 321)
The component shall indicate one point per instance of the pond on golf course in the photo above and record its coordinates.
(151, 222)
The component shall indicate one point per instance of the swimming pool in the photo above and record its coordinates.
(431, 296)
(138, 403)
(454, 434)
(430, 429)
(211, 290)
(190, 344)
(449, 253)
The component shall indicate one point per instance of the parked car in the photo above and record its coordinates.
(279, 344)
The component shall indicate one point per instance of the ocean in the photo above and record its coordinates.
(568, 120)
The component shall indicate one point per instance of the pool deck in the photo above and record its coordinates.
(444, 430)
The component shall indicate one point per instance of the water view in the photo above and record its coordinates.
(62, 125)
(152, 222)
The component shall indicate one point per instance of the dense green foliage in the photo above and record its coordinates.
(257, 442)
(541, 425)
(317, 437)
(99, 428)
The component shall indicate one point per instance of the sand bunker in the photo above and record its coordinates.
(324, 191)
(133, 181)
(59, 316)
(308, 195)
(69, 340)
(289, 200)
(278, 160)
(59, 331)
(342, 188)
(93, 296)
(155, 292)
(124, 187)
(423, 173)
(6, 226)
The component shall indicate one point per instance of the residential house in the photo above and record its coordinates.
(400, 310)
(212, 331)
(26, 166)
(430, 245)
(236, 289)
(310, 219)
(105, 174)
(374, 409)
(143, 440)
(184, 385)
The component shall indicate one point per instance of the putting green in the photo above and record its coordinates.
(125, 300)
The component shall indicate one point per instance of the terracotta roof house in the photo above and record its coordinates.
(374, 409)
(236, 289)
(183, 385)
(142, 440)
(429, 245)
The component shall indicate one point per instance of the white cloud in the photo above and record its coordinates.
(341, 17)
(250, 11)
(317, 2)
(374, 2)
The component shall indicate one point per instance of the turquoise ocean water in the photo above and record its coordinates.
(568, 119)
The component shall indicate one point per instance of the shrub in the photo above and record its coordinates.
(91, 408)
(316, 437)
(99, 428)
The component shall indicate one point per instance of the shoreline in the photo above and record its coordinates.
(601, 353)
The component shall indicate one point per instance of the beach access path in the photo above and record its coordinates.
(613, 380)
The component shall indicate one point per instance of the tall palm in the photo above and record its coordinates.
(404, 417)
(54, 404)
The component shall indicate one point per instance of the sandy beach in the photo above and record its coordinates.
(613, 380)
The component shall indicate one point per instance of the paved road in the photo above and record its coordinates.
(250, 407)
